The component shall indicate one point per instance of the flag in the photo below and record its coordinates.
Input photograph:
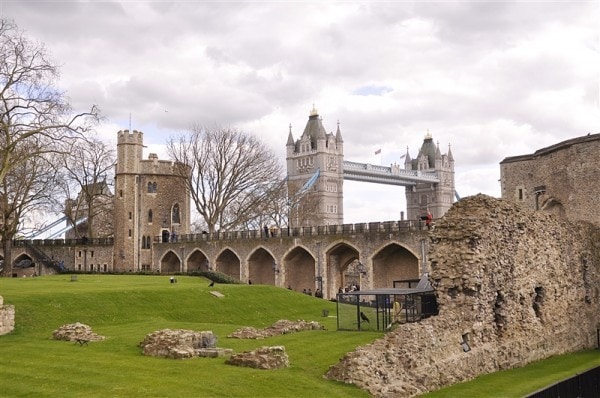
(377, 152)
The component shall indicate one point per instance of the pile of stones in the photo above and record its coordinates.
(76, 331)
(280, 327)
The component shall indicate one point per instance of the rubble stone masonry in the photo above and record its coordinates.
(513, 286)
(7, 317)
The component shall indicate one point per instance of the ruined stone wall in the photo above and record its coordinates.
(515, 285)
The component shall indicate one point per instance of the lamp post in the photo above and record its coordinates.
(362, 271)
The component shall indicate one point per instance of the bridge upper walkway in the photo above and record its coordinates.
(392, 175)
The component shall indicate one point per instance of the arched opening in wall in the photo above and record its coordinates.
(228, 263)
(170, 263)
(554, 206)
(393, 263)
(23, 265)
(165, 234)
(262, 267)
(343, 270)
(197, 261)
(299, 267)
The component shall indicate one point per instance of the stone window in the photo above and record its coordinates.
(152, 187)
(150, 216)
(175, 214)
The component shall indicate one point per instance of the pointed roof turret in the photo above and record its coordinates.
(438, 153)
(450, 157)
(290, 140)
(407, 159)
(428, 149)
(314, 127)
(338, 133)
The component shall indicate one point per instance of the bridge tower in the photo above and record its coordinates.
(435, 197)
(315, 201)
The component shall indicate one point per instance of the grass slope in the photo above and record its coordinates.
(126, 308)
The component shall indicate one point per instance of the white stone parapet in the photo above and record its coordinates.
(370, 172)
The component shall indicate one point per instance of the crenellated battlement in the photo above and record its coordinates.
(127, 137)
(153, 165)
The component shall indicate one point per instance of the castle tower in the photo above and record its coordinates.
(151, 205)
(317, 153)
(126, 200)
(435, 197)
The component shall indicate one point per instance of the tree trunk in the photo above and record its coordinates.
(7, 248)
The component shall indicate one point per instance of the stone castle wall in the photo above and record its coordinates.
(567, 171)
(516, 286)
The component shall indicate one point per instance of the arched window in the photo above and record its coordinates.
(149, 187)
(175, 215)
(150, 215)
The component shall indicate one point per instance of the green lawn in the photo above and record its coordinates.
(127, 308)
(523, 381)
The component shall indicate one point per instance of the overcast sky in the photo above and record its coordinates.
(491, 79)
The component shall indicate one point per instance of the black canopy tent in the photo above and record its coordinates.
(380, 309)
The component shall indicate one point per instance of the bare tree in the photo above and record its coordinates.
(35, 116)
(229, 174)
(303, 206)
(25, 188)
(86, 172)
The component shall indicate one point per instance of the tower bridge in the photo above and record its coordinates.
(428, 178)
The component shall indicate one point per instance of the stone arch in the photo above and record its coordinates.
(228, 263)
(299, 266)
(197, 261)
(170, 263)
(554, 206)
(262, 266)
(338, 258)
(393, 262)
(23, 260)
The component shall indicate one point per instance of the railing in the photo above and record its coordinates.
(386, 171)
(63, 242)
(342, 229)
(584, 385)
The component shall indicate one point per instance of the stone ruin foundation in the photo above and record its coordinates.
(280, 327)
(76, 331)
(182, 344)
(7, 317)
(273, 357)
(513, 287)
